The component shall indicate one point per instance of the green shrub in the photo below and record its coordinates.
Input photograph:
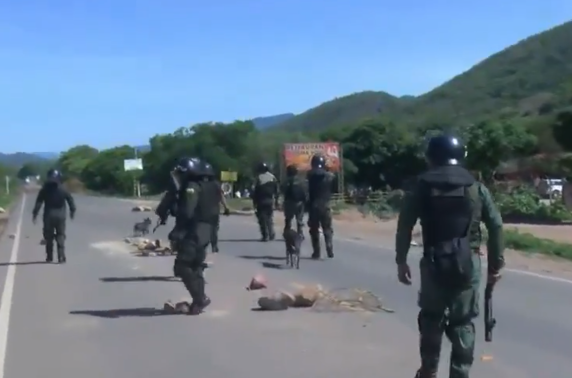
(523, 204)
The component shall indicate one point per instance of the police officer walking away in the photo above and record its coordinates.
(451, 204)
(193, 222)
(294, 192)
(54, 198)
(214, 185)
(265, 198)
(320, 183)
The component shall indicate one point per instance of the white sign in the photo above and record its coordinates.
(133, 164)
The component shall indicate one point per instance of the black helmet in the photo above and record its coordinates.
(263, 167)
(445, 150)
(318, 161)
(53, 175)
(291, 170)
(208, 169)
(188, 167)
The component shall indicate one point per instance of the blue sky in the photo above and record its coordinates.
(109, 72)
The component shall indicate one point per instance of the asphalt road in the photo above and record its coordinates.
(95, 317)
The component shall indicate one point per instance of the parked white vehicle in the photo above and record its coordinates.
(554, 187)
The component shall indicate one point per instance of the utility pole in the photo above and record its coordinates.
(136, 183)
(8, 185)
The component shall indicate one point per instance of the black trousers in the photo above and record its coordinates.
(54, 229)
(265, 217)
(190, 261)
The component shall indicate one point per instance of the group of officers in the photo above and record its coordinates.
(450, 203)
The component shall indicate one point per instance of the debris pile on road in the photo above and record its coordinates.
(138, 209)
(317, 298)
(182, 307)
(147, 248)
(350, 299)
(304, 297)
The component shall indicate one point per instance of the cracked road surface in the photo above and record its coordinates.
(97, 316)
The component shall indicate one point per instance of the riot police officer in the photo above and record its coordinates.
(54, 198)
(193, 223)
(320, 183)
(451, 205)
(294, 192)
(214, 185)
(265, 198)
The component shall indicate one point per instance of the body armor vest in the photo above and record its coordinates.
(319, 187)
(447, 212)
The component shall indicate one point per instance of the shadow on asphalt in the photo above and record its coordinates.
(267, 257)
(237, 240)
(249, 240)
(123, 312)
(269, 265)
(25, 263)
(273, 258)
(140, 279)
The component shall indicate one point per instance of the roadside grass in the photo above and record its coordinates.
(6, 200)
(526, 242)
(242, 204)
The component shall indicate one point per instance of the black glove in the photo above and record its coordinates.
(72, 215)
(226, 211)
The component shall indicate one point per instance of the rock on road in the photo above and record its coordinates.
(94, 317)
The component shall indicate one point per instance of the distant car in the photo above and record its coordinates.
(554, 187)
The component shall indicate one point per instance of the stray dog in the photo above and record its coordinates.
(142, 228)
(293, 242)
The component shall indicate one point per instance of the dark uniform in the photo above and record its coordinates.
(295, 197)
(54, 198)
(320, 183)
(192, 231)
(214, 185)
(265, 198)
(451, 204)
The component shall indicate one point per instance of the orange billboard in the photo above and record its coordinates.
(301, 154)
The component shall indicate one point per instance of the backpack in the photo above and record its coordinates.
(447, 219)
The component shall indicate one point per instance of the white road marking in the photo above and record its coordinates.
(8, 291)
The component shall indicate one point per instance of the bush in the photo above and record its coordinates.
(523, 205)
(382, 205)
(74, 185)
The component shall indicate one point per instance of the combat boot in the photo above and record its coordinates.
(330, 251)
(271, 233)
(61, 254)
(199, 307)
(315, 246)
(422, 373)
(329, 246)
(49, 252)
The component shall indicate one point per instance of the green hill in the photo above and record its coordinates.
(346, 110)
(532, 77)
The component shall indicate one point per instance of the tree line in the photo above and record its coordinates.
(377, 153)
